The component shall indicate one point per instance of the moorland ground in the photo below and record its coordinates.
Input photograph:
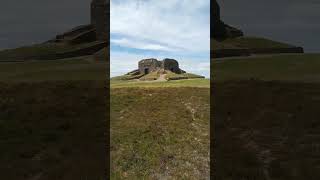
(266, 122)
(160, 130)
(53, 119)
(53, 123)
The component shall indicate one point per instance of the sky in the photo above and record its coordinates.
(160, 29)
(291, 21)
(25, 22)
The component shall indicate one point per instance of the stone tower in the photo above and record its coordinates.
(221, 30)
(100, 10)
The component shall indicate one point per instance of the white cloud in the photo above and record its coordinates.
(178, 29)
(141, 45)
(176, 23)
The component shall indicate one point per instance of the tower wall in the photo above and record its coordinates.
(100, 10)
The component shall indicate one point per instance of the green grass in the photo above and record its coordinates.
(151, 76)
(160, 133)
(38, 50)
(201, 83)
(266, 117)
(266, 129)
(174, 76)
(53, 130)
(53, 119)
(160, 129)
(247, 42)
(126, 77)
(303, 68)
(55, 70)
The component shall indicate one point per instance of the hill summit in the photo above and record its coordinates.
(153, 69)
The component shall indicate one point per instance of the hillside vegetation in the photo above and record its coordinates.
(200, 83)
(265, 117)
(55, 70)
(53, 120)
(302, 67)
(160, 133)
(53, 130)
(247, 42)
(37, 51)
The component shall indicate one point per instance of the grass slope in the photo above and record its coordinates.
(56, 70)
(266, 124)
(38, 50)
(53, 130)
(247, 42)
(159, 133)
(53, 120)
(303, 67)
(174, 76)
(201, 83)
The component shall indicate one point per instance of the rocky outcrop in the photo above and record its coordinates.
(221, 30)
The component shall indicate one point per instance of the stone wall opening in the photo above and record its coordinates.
(146, 71)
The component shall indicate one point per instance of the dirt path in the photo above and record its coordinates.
(162, 77)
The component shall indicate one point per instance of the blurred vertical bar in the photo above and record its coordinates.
(54, 95)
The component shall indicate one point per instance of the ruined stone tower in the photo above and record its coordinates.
(99, 18)
(221, 30)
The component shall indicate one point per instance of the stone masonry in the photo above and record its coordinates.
(221, 30)
(147, 66)
(99, 18)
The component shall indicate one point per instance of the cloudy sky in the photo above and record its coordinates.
(159, 29)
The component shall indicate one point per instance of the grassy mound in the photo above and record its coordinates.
(39, 50)
(126, 77)
(303, 67)
(160, 133)
(200, 83)
(248, 43)
(55, 70)
(151, 76)
(174, 76)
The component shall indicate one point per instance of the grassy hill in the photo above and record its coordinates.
(247, 42)
(37, 51)
(55, 70)
(201, 83)
(160, 129)
(302, 68)
(168, 75)
(266, 124)
(53, 119)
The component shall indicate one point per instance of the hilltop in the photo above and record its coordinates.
(152, 69)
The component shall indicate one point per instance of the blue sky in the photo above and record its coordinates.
(178, 29)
